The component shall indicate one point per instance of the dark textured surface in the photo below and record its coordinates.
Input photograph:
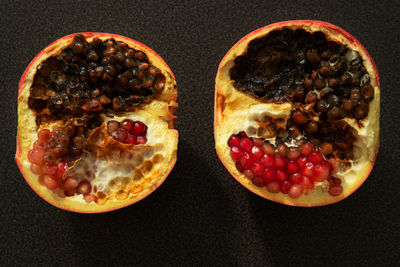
(200, 215)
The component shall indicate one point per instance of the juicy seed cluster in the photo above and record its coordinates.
(95, 76)
(291, 171)
(53, 153)
(128, 131)
(306, 68)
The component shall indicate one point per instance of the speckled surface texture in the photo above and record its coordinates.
(200, 215)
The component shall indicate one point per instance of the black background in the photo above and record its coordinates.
(200, 215)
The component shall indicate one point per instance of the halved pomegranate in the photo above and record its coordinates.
(95, 122)
(297, 113)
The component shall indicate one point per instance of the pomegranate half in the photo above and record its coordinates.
(96, 123)
(296, 116)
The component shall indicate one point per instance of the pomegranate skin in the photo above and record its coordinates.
(226, 103)
(169, 94)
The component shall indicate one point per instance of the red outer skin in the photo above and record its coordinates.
(21, 81)
(302, 23)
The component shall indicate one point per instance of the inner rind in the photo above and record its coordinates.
(325, 81)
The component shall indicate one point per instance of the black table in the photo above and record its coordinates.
(200, 215)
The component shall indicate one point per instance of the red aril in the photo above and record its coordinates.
(292, 167)
(246, 160)
(51, 183)
(308, 169)
(258, 181)
(69, 183)
(315, 157)
(285, 186)
(139, 129)
(273, 187)
(236, 153)
(335, 189)
(249, 174)
(50, 170)
(301, 162)
(295, 191)
(256, 153)
(246, 144)
(257, 169)
(295, 178)
(36, 169)
(127, 125)
(281, 176)
(306, 182)
(36, 156)
(44, 135)
(269, 175)
(306, 149)
(84, 187)
(234, 141)
(268, 161)
(321, 171)
(239, 166)
(280, 162)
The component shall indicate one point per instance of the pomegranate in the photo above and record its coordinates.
(299, 102)
(96, 123)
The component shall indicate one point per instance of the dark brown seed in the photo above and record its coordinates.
(361, 111)
(130, 63)
(143, 66)
(121, 46)
(130, 54)
(96, 42)
(308, 83)
(110, 43)
(109, 51)
(153, 71)
(112, 126)
(78, 48)
(355, 94)
(311, 97)
(119, 56)
(148, 82)
(325, 71)
(326, 55)
(313, 56)
(322, 105)
(345, 79)
(159, 84)
(320, 84)
(99, 71)
(347, 105)
(333, 100)
(333, 83)
(107, 77)
(134, 84)
(311, 127)
(79, 38)
(282, 150)
(335, 113)
(92, 56)
(367, 92)
(104, 100)
(140, 56)
(122, 80)
(325, 92)
(296, 131)
(326, 148)
(298, 117)
(111, 70)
